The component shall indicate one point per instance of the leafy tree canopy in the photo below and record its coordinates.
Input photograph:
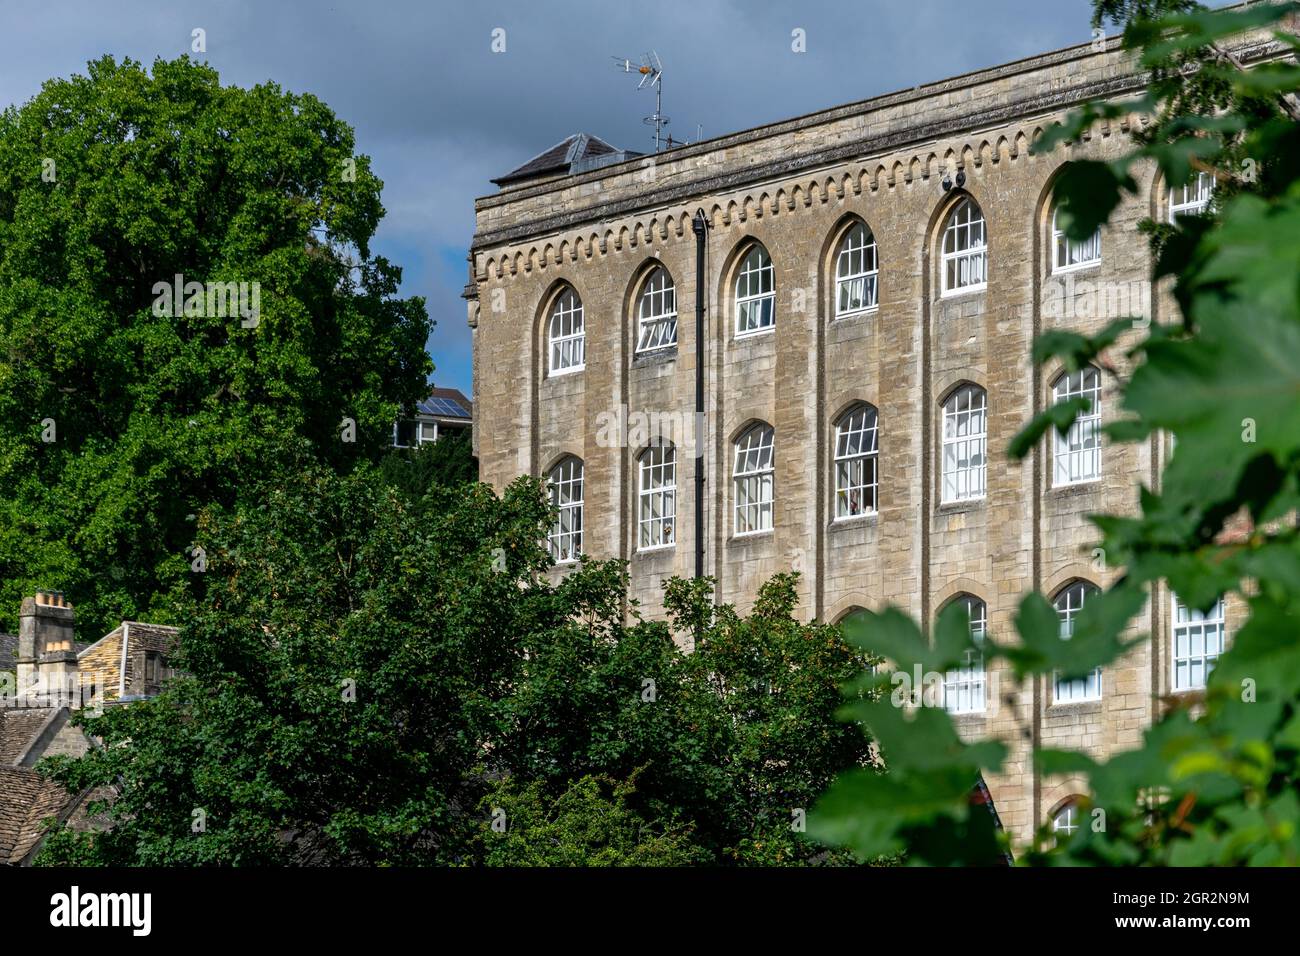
(371, 676)
(121, 417)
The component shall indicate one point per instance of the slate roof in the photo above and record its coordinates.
(8, 651)
(18, 728)
(579, 151)
(26, 800)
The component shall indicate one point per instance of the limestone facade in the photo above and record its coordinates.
(797, 187)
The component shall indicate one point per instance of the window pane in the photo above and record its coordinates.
(964, 444)
(565, 538)
(567, 333)
(657, 312)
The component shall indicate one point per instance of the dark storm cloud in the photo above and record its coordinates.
(441, 114)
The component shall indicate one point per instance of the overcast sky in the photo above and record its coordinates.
(441, 114)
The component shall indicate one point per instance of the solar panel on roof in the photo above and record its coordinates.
(445, 406)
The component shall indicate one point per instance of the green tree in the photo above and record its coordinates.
(588, 824)
(368, 677)
(735, 738)
(1216, 784)
(118, 424)
(344, 665)
(448, 461)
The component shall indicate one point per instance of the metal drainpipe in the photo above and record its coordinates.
(700, 226)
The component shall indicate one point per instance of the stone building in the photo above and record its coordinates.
(874, 275)
(46, 675)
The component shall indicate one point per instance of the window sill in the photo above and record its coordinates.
(658, 549)
(560, 373)
(755, 334)
(659, 356)
(964, 290)
(749, 537)
(1076, 489)
(854, 521)
(1086, 707)
(1077, 267)
(857, 313)
(961, 506)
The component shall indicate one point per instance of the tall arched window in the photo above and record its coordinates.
(965, 441)
(656, 312)
(1192, 198)
(657, 497)
(752, 478)
(963, 688)
(1198, 642)
(855, 462)
(1076, 455)
(965, 249)
(856, 271)
(567, 334)
(755, 292)
(565, 538)
(1068, 254)
(1069, 602)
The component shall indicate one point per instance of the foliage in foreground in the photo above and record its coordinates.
(1220, 787)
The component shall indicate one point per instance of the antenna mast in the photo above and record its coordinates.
(651, 71)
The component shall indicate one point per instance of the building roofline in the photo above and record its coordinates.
(776, 127)
(1125, 83)
(160, 627)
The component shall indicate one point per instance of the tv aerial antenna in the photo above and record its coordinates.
(651, 71)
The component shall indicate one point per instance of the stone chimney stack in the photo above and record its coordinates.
(47, 656)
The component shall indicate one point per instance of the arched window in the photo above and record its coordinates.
(965, 250)
(1065, 821)
(656, 312)
(856, 271)
(755, 293)
(567, 334)
(752, 477)
(1076, 455)
(565, 538)
(855, 462)
(1192, 198)
(965, 440)
(1068, 254)
(1069, 602)
(963, 688)
(1198, 642)
(856, 618)
(657, 497)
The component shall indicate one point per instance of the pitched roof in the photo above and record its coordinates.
(8, 650)
(447, 403)
(18, 728)
(111, 667)
(572, 154)
(26, 800)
